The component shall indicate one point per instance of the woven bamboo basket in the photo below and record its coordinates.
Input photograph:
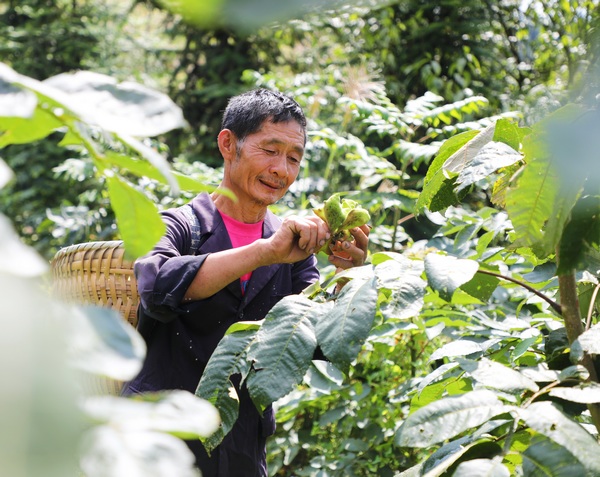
(97, 273)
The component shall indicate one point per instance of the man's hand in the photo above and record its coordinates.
(297, 238)
(347, 254)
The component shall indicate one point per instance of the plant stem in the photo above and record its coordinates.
(574, 326)
(555, 306)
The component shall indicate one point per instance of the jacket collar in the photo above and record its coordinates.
(212, 224)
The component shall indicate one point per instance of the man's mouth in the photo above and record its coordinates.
(275, 185)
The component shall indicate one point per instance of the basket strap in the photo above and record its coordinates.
(194, 228)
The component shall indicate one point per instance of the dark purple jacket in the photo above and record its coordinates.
(182, 337)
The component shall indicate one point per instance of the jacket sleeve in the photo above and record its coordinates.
(304, 273)
(164, 274)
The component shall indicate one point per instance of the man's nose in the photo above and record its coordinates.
(279, 166)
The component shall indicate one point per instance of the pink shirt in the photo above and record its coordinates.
(242, 234)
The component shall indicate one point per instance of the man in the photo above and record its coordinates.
(245, 261)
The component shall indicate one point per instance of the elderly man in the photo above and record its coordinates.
(232, 261)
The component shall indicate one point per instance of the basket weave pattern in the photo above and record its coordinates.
(97, 273)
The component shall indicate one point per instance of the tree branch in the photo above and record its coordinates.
(555, 306)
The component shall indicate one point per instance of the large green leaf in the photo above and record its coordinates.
(582, 233)
(25, 130)
(177, 412)
(446, 418)
(106, 345)
(481, 468)
(146, 169)
(530, 202)
(446, 273)
(586, 342)
(215, 385)
(126, 108)
(436, 179)
(491, 157)
(14, 101)
(497, 376)
(582, 393)
(402, 277)
(547, 419)
(449, 454)
(545, 458)
(283, 349)
(342, 331)
(139, 222)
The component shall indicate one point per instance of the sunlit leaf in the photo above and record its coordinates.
(126, 108)
(177, 412)
(587, 342)
(456, 348)
(490, 158)
(15, 257)
(495, 375)
(448, 417)
(446, 273)
(481, 468)
(24, 130)
(530, 201)
(105, 344)
(582, 393)
(6, 173)
(436, 180)
(109, 451)
(140, 224)
(15, 102)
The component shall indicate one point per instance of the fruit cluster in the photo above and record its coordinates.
(341, 215)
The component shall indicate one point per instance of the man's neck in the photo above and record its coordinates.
(248, 212)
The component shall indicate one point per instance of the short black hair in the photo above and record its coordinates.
(246, 112)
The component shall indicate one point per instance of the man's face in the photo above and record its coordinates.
(267, 163)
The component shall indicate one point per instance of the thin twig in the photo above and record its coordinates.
(555, 306)
(588, 321)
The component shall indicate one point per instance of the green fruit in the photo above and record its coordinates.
(319, 212)
(334, 215)
(356, 218)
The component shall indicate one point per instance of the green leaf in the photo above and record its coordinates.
(457, 162)
(283, 349)
(402, 277)
(582, 233)
(530, 203)
(215, 385)
(481, 468)
(509, 133)
(491, 157)
(16, 258)
(545, 458)
(126, 108)
(342, 331)
(547, 419)
(435, 178)
(244, 326)
(139, 222)
(323, 377)
(461, 347)
(586, 342)
(448, 417)
(497, 376)
(6, 174)
(15, 102)
(449, 454)
(481, 286)
(177, 412)
(24, 130)
(446, 273)
(145, 169)
(106, 345)
(583, 393)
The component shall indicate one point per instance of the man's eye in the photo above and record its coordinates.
(295, 160)
(270, 152)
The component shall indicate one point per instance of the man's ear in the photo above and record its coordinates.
(227, 144)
